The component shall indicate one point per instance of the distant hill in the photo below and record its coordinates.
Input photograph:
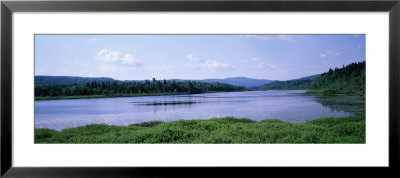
(237, 81)
(241, 81)
(311, 77)
(295, 84)
(54, 80)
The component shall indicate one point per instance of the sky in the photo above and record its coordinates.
(140, 57)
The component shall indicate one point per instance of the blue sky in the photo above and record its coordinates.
(138, 57)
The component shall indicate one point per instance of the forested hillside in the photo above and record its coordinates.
(133, 88)
(240, 81)
(54, 80)
(296, 84)
(348, 79)
(237, 81)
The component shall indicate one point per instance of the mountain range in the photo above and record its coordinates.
(237, 81)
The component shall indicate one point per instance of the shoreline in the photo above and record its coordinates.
(116, 96)
(148, 94)
(350, 129)
(103, 96)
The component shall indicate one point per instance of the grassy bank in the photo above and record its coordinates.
(219, 130)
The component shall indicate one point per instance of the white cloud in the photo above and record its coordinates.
(92, 39)
(108, 55)
(193, 58)
(130, 60)
(265, 65)
(197, 63)
(329, 53)
(210, 64)
(285, 37)
(270, 37)
(261, 64)
(260, 37)
(118, 57)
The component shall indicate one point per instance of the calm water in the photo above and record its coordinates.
(292, 106)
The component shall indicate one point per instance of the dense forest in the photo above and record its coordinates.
(295, 84)
(58, 80)
(132, 88)
(53, 80)
(348, 79)
(287, 85)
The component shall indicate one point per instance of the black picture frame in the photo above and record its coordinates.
(8, 7)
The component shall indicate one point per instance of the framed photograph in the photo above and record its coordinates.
(159, 88)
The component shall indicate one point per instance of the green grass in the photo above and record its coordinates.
(218, 130)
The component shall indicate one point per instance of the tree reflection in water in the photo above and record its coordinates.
(346, 103)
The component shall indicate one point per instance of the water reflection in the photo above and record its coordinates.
(345, 103)
(166, 103)
(291, 106)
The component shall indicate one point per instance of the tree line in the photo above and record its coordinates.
(348, 79)
(133, 88)
(287, 85)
